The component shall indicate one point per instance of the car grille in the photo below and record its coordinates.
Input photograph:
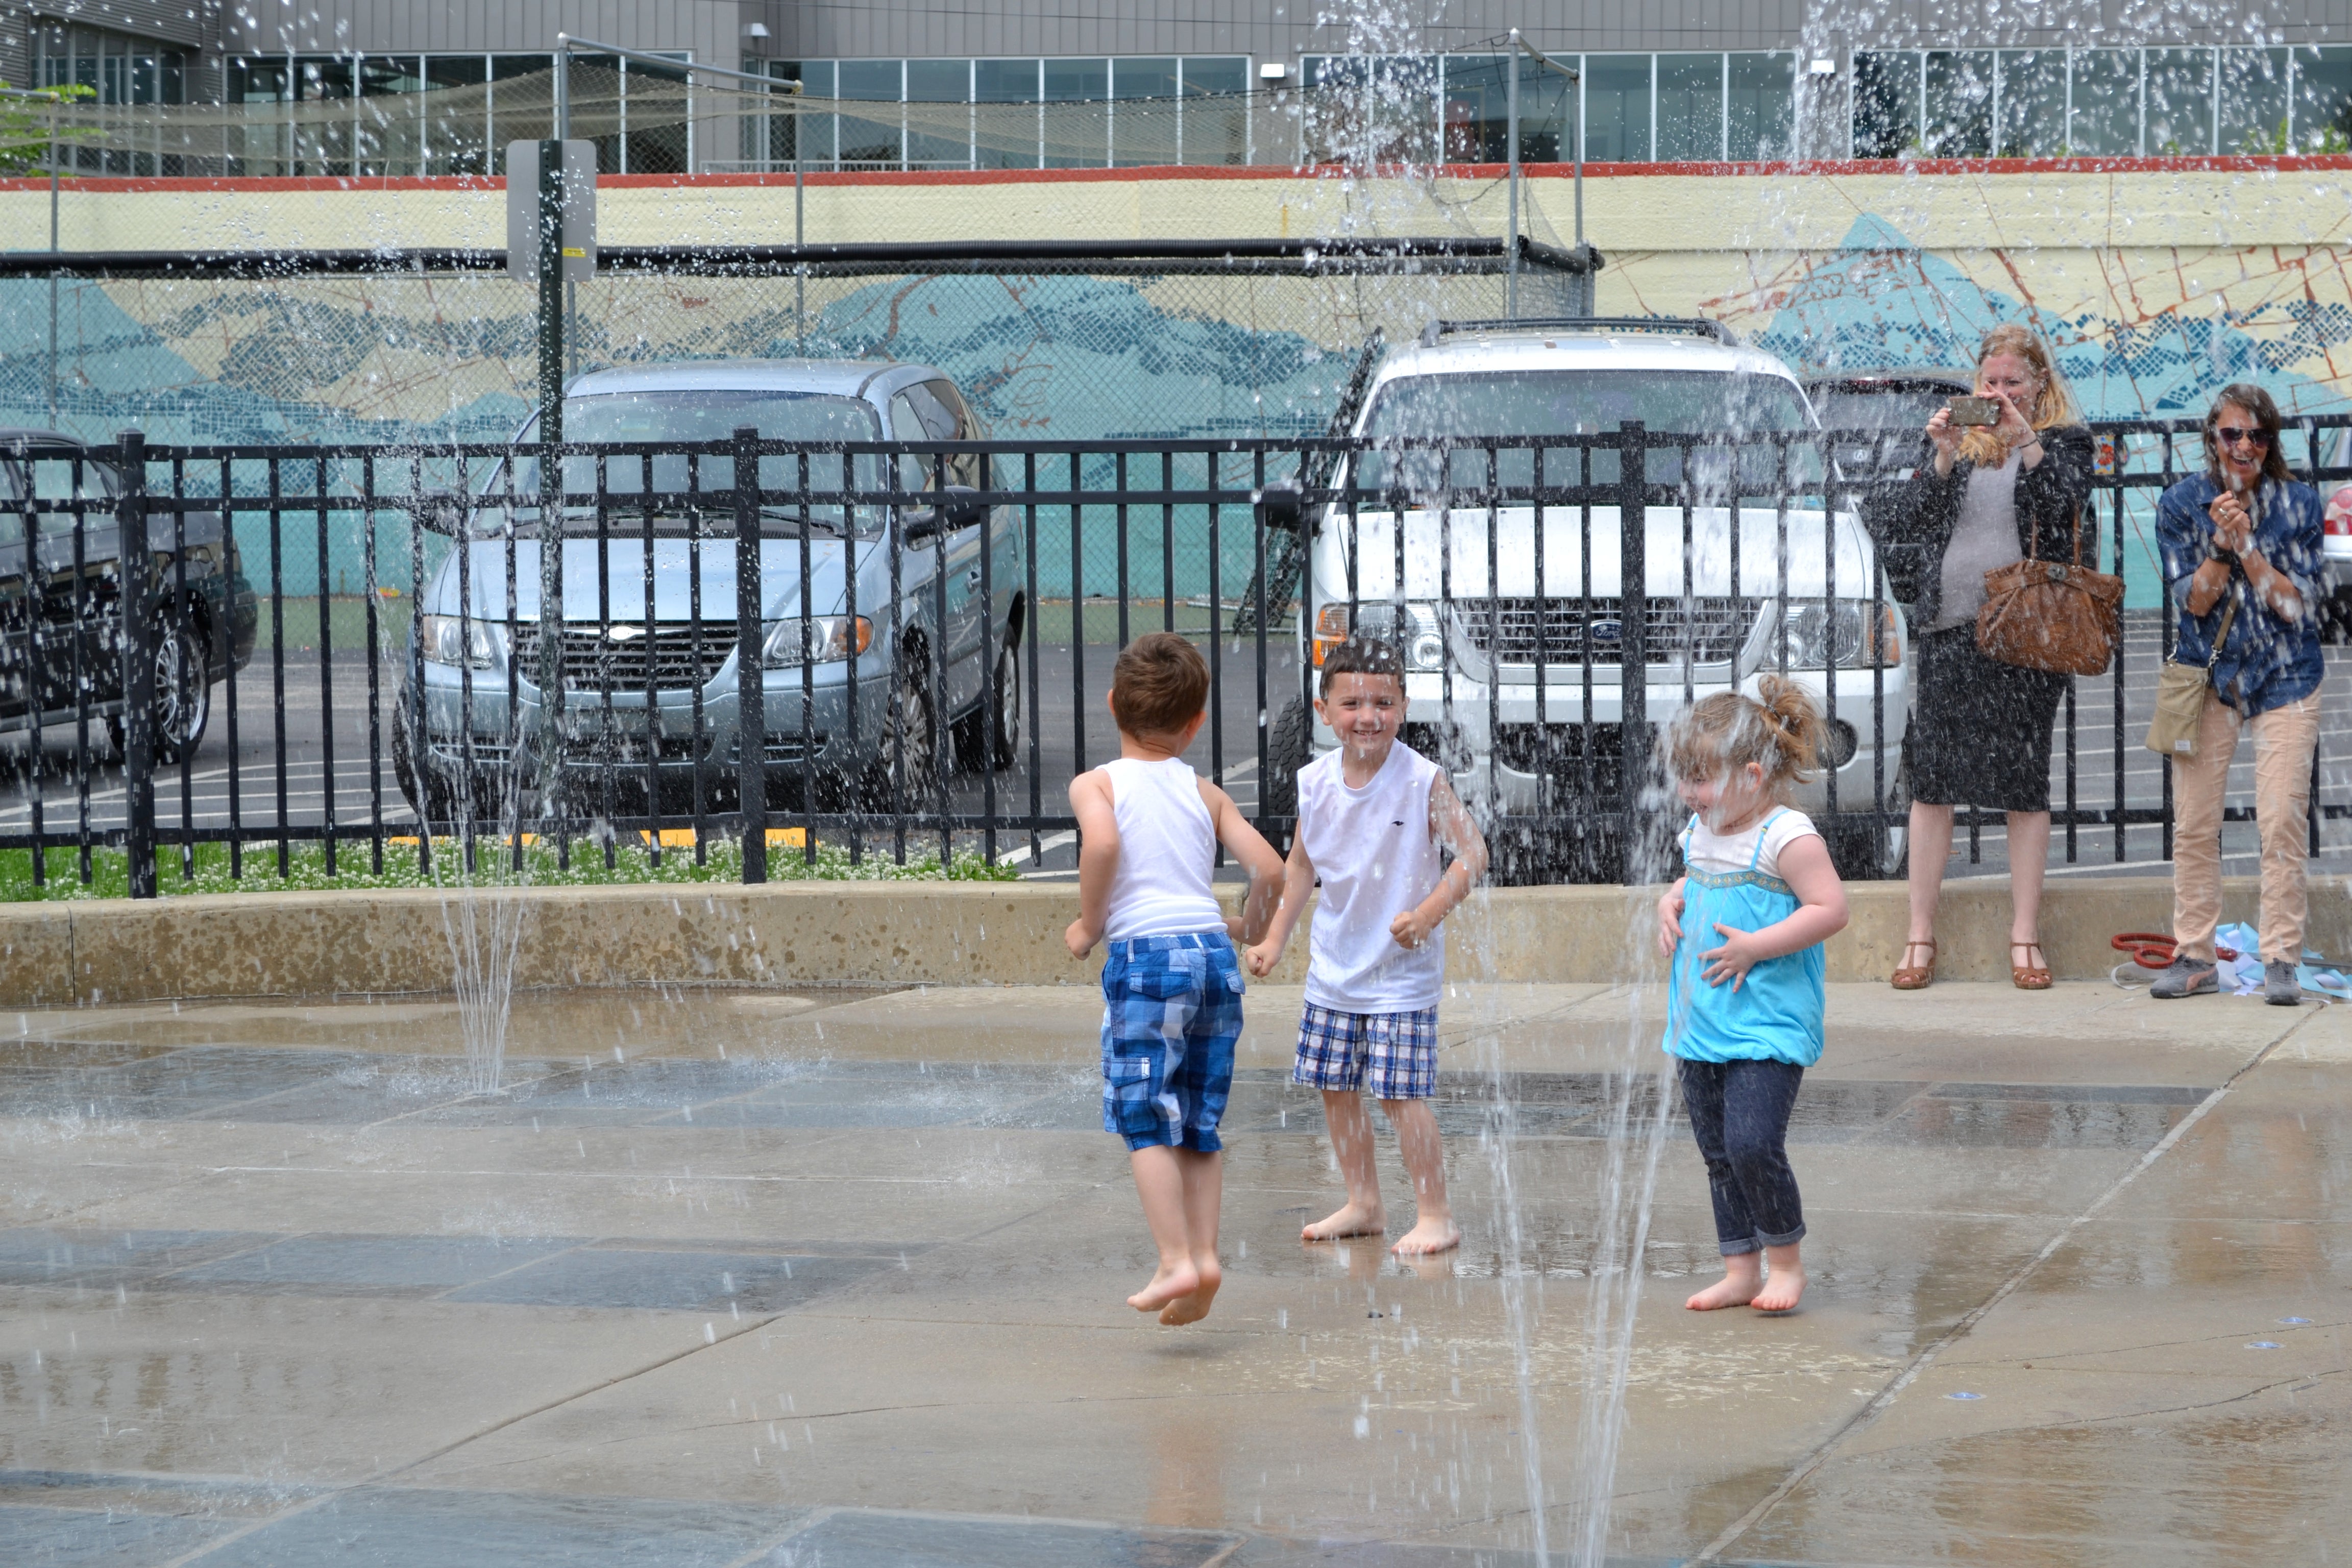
(666, 652)
(1707, 629)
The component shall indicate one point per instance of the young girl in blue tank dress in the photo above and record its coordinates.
(1744, 926)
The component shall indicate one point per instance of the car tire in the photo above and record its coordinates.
(1868, 853)
(1286, 752)
(988, 738)
(909, 748)
(432, 793)
(2336, 616)
(179, 726)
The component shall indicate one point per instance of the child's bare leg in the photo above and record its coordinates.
(1351, 1141)
(1159, 1182)
(1743, 1276)
(1785, 1285)
(1204, 1191)
(1433, 1229)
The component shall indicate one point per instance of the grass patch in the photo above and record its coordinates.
(306, 870)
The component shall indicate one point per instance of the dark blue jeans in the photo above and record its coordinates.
(1739, 1114)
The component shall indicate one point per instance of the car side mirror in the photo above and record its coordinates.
(1282, 506)
(957, 509)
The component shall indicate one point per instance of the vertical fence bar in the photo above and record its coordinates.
(809, 656)
(137, 603)
(1167, 541)
(849, 574)
(469, 767)
(942, 630)
(1632, 621)
(420, 749)
(326, 680)
(750, 700)
(1035, 688)
(992, 701)
(647, 610)
(373, 631)
(2121, 644)
(1078, 629)
(1167, 590)
(1216, 645)
(1257, 611)
(701, 677)
(609, 735)
(278, 649)
(185, 744)
(37, 680)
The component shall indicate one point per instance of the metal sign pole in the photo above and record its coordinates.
(1511, 247)
(551, 471)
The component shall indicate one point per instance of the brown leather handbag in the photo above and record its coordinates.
(2050, 615)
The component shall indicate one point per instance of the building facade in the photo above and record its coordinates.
(897, 86)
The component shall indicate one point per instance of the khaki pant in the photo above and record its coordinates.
(2283, 740)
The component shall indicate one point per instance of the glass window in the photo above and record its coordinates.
(2106, 103)
(1885, 104)
(2179, 103)
(2323, 99)
(2032, 113)
(2252, 100)
(1216, 116)
(457, 131)
(1075, 140)
(522, 102)
(1475, 115)
(712, 415)
(1144, 125)
(1005, 137)
(1763, 107)
(935, 140)
(869, 141)
(1576, 402)
(1690, 108)
(1960, 104)
(1617, 109)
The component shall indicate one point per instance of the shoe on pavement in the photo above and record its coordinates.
(2280, 986)
(2185, 977)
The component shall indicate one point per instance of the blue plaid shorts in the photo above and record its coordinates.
(1172, 1012)
(1335, 1049)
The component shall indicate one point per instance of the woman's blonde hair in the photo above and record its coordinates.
(2053, 404)
(1781, 734)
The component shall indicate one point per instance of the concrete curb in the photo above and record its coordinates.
(940, 933)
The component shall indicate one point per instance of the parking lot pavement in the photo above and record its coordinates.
(788, 1277)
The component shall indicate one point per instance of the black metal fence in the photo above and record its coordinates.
(427, 680)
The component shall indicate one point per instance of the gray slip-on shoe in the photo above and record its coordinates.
(2280, 986)
(2185, 977)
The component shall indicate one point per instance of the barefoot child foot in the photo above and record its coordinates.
(1376, 822)
(1784, 1283)
(1171, 979)
(1745, 925)
(1351, 1218)
(1743, 1276)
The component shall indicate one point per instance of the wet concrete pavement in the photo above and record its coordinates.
(836, 1278)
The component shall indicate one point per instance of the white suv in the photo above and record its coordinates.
(1790, 611)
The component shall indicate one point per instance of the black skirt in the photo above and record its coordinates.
(1980, 729)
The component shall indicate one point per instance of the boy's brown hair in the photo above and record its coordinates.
(1160, 683)
(1360, 655)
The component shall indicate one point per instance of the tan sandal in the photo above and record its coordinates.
(2028, 977)
(1909, 978)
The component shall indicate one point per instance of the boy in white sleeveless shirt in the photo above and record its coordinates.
(1149, 828)
(1372, 819)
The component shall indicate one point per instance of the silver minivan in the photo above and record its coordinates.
(905, 639)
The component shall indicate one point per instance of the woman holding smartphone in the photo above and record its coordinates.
(2009, 470)
(2242, 553)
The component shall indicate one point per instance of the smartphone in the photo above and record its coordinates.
(1975, 411)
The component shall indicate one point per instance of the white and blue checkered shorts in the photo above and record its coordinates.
(1392, 1054)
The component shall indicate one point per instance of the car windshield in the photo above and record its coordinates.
(683, 417)
(1904, 408)
(1582, 403)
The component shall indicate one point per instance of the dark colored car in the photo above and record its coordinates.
(61, 625)
(1879, 421)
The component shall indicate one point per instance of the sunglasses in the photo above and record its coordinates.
(2230, 435)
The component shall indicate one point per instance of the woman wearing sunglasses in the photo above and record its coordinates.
(2241, 552)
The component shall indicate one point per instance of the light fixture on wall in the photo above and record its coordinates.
(1273, 70)
(755, 29)
(1822, 67)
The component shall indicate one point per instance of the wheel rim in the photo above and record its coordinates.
(177, 721)
(1008, 687)
(917, 745)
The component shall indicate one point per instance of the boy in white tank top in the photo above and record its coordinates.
(1372, 819)
(1149, 828)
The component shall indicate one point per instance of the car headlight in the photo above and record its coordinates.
(815, 639)
(1421, 638)
(1856, 634)
(471, 641)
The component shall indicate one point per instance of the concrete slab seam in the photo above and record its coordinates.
(381, 1476)
(1879, 1404)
